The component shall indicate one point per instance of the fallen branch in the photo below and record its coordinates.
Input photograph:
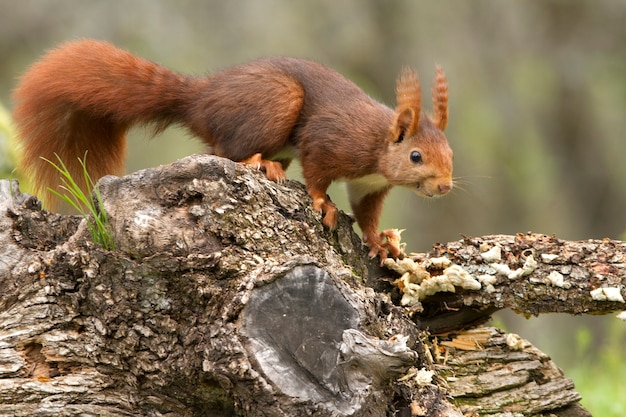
(226, 296)
(464, 281)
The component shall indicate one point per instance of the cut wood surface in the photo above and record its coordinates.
(227, 297)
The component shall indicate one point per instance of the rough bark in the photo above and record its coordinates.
(528, 273)
(226, 296)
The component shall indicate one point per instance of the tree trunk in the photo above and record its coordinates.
(225, 296)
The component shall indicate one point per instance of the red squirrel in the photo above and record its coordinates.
(85, 95)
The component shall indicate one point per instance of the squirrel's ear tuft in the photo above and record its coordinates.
(440, 99)
(409, 99)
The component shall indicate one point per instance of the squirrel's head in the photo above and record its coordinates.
(418, 155)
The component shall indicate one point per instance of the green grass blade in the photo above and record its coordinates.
(92, 209)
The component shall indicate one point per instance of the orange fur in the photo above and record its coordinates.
(84, 95)
(409, 103)
(440, 99)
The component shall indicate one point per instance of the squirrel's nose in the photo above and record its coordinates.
(444, 188)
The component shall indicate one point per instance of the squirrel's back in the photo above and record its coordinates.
(311, 106)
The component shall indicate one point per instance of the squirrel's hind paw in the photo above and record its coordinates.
(273, 169)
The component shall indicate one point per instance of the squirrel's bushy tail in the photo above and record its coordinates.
(83, 96)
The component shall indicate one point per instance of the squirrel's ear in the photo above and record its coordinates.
(440, 99)
(409, 99)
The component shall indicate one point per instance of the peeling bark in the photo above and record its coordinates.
(226, 296)
(490, 372)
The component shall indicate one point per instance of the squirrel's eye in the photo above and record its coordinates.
(416, 157)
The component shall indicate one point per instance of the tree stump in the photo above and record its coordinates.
(225, 296)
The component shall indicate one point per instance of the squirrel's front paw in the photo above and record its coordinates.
(328, 209)
(387, 243)
(391, 241)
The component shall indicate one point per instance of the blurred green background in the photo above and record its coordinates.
(537, 113)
